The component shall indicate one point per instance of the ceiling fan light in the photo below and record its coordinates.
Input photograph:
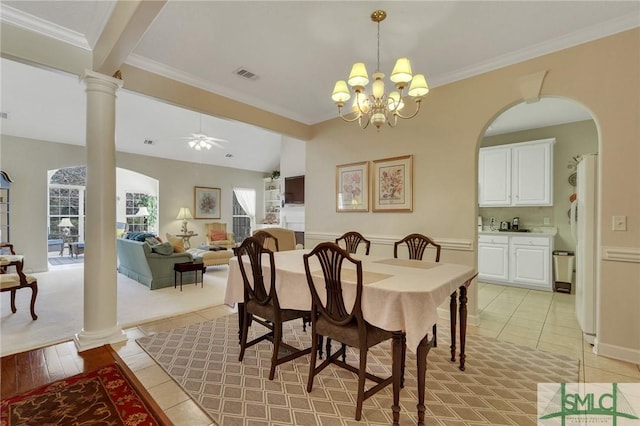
(401, 71)
(418, 86)
(358, 76)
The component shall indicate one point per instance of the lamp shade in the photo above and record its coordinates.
(65, 223)
(341, 92)
(401, 71)
(358, 76)
(418, 86)
(184, 213)
(142, 211)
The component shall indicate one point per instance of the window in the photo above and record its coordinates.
(67, 199)
(242, 220)
(135, 200)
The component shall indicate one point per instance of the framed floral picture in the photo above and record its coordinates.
(393, 184)
(206, 202)
(352, 187)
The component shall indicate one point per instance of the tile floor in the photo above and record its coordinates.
(525, 317)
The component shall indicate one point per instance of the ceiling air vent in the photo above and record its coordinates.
(245, 74)
(4, 115)
(148, 142)
(229, 155)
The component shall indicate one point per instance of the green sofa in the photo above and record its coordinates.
(138, 262)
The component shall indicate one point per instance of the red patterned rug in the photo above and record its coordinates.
(101, 397)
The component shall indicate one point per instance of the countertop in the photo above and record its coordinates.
(538, 231)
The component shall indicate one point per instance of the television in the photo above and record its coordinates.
(294, 190)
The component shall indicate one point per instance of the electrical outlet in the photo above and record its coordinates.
(619, 223)
(547, 221)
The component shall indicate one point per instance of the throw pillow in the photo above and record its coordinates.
(152, 241)
(217, 236)
(163, 248)
(176, 242)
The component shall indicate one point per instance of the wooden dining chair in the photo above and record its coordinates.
(332, 319)
(352, 240)
(267, 239)
(15, 281)
(261, 304)
(417, 245)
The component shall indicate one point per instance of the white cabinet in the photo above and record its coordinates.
(519, 174)
(272, 201)
(530, 262)
(512, 259)
(493, 257)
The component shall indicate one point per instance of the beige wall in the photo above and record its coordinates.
(27, 162)
(602, 75)
(571, 140)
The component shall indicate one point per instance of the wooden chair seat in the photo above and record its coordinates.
(15, 281)
(9, 281)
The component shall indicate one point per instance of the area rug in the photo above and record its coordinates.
(103, 396)
(498, 386)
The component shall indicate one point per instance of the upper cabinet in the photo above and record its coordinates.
(519, 174)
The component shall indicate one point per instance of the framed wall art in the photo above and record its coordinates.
(352, 187)
(206, 202)
(393, 184)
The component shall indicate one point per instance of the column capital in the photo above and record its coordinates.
(89, 75)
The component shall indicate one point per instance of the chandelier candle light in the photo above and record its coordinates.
(379, 108)
(184, 214)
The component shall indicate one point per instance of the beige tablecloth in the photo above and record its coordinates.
(398, 294)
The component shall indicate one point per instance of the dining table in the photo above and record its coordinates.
(399, 295)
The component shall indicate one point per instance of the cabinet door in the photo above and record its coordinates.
(494, 177)
(532, 175)
(530, 264)
(493, 262)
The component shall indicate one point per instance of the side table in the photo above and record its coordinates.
(187, 267)
(185, 239)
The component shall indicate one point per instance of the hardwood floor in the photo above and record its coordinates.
(28, 370)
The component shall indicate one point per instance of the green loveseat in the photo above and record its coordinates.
(138, 262)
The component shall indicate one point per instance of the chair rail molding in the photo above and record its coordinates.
(621, 254)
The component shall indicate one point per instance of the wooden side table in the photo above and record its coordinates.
(187, 267)
(185, 239)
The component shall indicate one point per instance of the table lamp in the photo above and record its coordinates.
(65, 224)
(183, 214)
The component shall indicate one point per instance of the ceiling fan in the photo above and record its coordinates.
(201, 140)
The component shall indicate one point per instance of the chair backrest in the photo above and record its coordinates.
(268, 241)
(331, 258)
(417, 244)
(352, 240)
(286, 238)
(255, 289)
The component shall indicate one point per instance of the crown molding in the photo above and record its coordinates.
(610, 27)
(29, 22)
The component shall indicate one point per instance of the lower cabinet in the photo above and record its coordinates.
(523, 261)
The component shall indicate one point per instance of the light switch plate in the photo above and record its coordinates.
(619, 223)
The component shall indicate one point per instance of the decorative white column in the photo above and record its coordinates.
(100, 280)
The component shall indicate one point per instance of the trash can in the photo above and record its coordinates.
(563, 268)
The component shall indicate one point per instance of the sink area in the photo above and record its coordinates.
(514, 230)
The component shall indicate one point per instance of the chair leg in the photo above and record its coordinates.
(344, 353)
(315, 348)
(320, 340)
(361, 381)
(34, 294)
(435, 335)
(243, 335)
(13, 301)
(277, 338)
(328, 347)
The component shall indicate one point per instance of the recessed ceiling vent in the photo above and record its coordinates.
(241, 72)
(229, 155)
(148, 142)
(4, 115)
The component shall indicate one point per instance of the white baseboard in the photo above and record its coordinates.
(616, 352)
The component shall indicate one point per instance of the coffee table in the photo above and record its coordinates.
(187, 267)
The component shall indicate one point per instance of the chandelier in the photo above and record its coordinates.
(378, 107)
(201, 140)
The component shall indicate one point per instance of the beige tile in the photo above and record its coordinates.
(215, 312)
(561, 330)
(139, 361)
(523, 332)
(152, 376)
(612, 365)
(525, 323)
(570, 351)
(188, 413)
(503, 308)
(559, 339)
(494, 316)
(530, 314)
(168, 394)
(518, 339)
(595, 375)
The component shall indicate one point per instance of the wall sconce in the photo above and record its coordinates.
(184, 214)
